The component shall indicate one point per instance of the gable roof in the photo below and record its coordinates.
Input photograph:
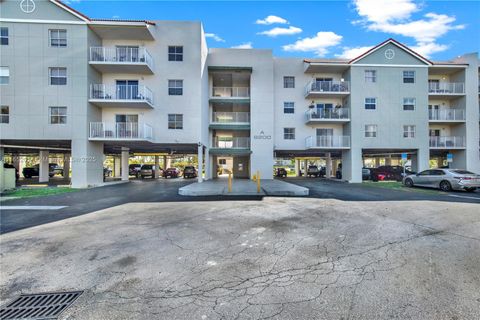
(396, 43)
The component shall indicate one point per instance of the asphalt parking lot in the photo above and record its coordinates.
(270, 258)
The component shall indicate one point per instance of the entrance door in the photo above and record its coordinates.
(127, 89)
(126, 126)
(324, 137)
(433, 111)
(323, 84)
(433, 85)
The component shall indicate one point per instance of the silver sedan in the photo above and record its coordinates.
(444, 179)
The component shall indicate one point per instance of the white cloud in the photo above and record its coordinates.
(281, 31)
(246, 45)
(395, 17)
(214, 36)
(271, 20)
(318, 44)
(115, 17)
(350, 53)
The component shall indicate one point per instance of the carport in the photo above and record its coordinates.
(303, 158)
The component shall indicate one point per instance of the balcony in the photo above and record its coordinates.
(230, 94)
(110, 131)
(317, 89)
(443, 142)
(121, 60)
(327, 142)
(337, 115)
(446, 89)
(446, 115)
(121, 96)
(230, 121)
(230, 145)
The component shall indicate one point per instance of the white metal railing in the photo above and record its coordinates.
(120, 130)
(231, 92)
(121, 92)
(327, 142)
(121, 55)
(447, 142)
(327, 86)
(446, 114)
(327, 114)
(231, 142)
(446, 87)
(231, 117)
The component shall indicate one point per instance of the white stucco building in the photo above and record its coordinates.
(89, 88)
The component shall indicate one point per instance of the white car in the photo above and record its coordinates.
(444, 179)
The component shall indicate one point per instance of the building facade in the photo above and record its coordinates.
(89, 88)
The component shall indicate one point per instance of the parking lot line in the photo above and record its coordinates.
(32, 207)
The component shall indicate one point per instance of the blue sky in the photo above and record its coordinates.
(437, 29)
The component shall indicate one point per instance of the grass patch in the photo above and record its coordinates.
(37, 192)
(397, 186)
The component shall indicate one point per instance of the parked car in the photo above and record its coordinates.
(171, 173)
(444, 179)
(10, 166)
(366, 174)
(384, 173)
(313, 171)
(280, 173)
(134, 169)
(34, 171)
(189, 172)
(147, 170)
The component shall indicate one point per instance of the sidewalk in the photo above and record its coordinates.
(242, 187)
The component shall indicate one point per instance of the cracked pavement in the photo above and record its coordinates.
(279, 258)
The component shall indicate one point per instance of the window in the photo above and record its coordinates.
(370, 103)
(408, 76)
(4, 36)
(408, 104)
(370, 131)
(175, 87)
(289, 82)
(58, 38)
(175, 53)
(409, 131)
(370, 76)
(58, 76)
(289, 107)
(175, 121)
(222, 161)
(58, 115)
(5, 114)
(289, 133)
(4, 75)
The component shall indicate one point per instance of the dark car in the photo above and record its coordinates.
(281, 173)
(189, 172)
(366, 174)
(10, 166)
(107, 172)
(34, 171)
(134, 169)
(147, 170)
(391, 173)
(313, 171)
(338, 173)
(171, 173)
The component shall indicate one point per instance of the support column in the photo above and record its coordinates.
(66, 165)
(328, 167)
(156, 172)
(377, 162)
(16, 161)
(116, 166)
(208, 164)
(43, 169)
(200, 163)
(164, 162)
(352, 165)
(305, 167)
(420, 161)
(124, 166)
(388, 161)
(297, 167)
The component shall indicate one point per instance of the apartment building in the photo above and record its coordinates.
(89, 88)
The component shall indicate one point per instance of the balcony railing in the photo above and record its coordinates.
(121, 55)
(328, 142)
(446, 87)
(447, 142)
(121, 92)
(231, 117)
(231, 142)
(231, 92)
(327, 87)
(446, 115)
(120, 130)
(328, 114)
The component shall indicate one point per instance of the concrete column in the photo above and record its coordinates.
(66, 165)
(420, 161)
(305, 167)
(116, 166)
(200, 163)
(16, 161)
(377, 162)
(352, 165)
(164, 162)
(208, 165)
(124, 166)
(388, 161)
(328, 167)
(156, 173)
(43, 169)
(297, 167)
(2, 159)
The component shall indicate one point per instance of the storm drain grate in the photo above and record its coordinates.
(38, 306)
